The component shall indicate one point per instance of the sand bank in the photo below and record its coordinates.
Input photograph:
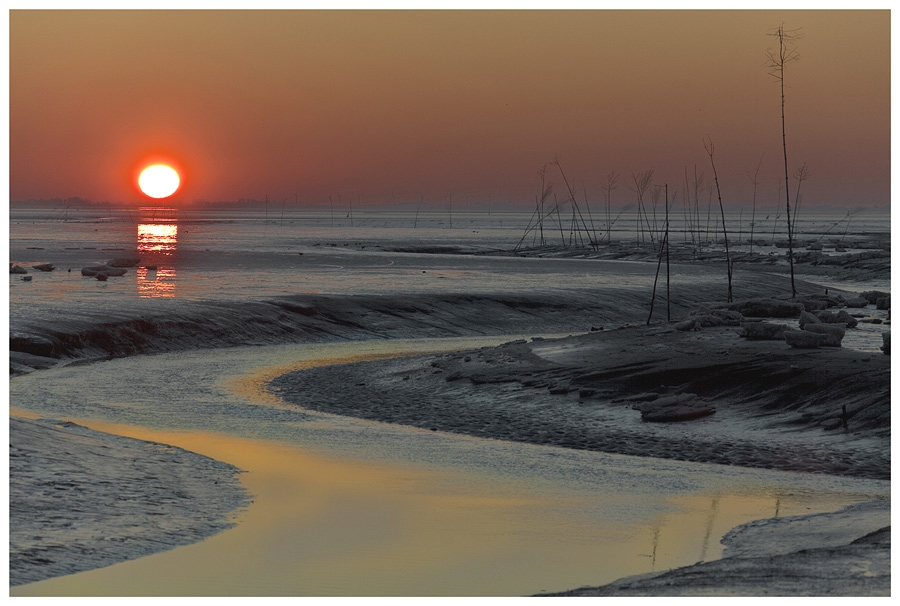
(80, 499)
(824, 411)
(846, 553)
(776, 407)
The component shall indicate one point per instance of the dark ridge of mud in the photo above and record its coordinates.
(776, 407)
(322, 318)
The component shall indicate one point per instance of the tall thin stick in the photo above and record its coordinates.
(656, 279)
(710, 149)
(666, 238)
(786, 53)
(611, 180)
(755, 180)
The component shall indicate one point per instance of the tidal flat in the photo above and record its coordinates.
(485, 415)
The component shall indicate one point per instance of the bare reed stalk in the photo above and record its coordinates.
(710, 149)
(539, 214)
(418, 208)
(574, 202)
(611, 180)
(785, 54)
(801, 175)
(594, 242)
(698, 185)
(755, 180)
(666, 237)
(777, 214)
(685, 216)
(559, 220)
(641, 183)
(654, 199)
(663, 248)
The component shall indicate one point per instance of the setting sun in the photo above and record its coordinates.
(159, 181)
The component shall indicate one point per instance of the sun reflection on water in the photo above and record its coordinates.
(157, 236)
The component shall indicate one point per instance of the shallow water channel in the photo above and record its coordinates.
(356, 508)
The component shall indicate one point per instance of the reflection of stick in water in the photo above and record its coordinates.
(713, 512)
(655, 544)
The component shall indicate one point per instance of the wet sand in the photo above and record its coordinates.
(775, 408)
(82, 499)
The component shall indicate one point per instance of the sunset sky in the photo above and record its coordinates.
(382, 104)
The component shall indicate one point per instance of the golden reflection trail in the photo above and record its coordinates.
(157, 235)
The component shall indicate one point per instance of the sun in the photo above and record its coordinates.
(159, 181)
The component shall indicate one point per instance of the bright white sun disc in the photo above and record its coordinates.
(159, 181)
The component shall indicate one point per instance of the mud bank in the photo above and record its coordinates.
(846, 553)
(81, 499)
(776, 407)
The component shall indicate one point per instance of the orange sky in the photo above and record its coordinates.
(434, 103)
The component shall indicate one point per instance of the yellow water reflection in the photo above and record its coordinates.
(156, 244)
(345, 525)
(325, 526)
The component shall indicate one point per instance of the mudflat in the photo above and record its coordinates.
(767, 405)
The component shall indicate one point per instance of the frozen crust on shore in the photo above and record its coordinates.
(845, 553)
(81, 499)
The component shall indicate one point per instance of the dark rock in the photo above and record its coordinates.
(816, 303)
(872, 296)
(835, 333)
(856, 303)
(709, 321)
(731, 317)
(44, 267)
(839, 317)
(102, 269)
(883, 302)
(15, 269)
(768, 308)
(804, 339)
(807, 318)
(690, 324)
(886, 343)
(763, 331)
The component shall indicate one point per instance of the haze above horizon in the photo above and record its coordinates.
(410, 105)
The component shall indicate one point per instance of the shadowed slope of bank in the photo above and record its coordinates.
(322, 318)
(775, 407)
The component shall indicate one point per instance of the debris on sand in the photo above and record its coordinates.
(106, 270)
